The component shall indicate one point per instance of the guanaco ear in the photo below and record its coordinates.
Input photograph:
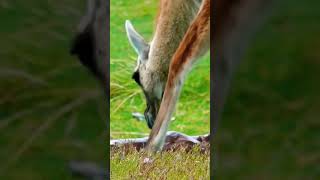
(136, 40)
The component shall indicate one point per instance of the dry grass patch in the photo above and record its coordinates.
(179, 164)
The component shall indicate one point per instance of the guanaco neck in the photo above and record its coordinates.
(173, 20)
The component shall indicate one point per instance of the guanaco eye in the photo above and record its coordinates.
(136, 77)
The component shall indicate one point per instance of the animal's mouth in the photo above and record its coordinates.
(148, 117)
(150, 114)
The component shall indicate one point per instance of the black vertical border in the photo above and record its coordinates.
(108, 90)
(213, 123)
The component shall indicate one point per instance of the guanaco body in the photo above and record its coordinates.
(178, 44)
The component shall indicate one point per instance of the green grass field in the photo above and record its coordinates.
(166, 165)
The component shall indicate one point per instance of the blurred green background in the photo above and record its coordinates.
(271, 126)
(51, 109)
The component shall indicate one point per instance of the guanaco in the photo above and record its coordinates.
(181, 37)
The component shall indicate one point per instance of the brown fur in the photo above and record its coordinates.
(171, 25)
(235, 21)
(173, 20)
(192, 40)
(194, 44)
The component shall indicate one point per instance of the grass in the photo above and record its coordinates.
(138, 165)
(126, 97)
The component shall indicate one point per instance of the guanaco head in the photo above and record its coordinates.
(150, 80)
